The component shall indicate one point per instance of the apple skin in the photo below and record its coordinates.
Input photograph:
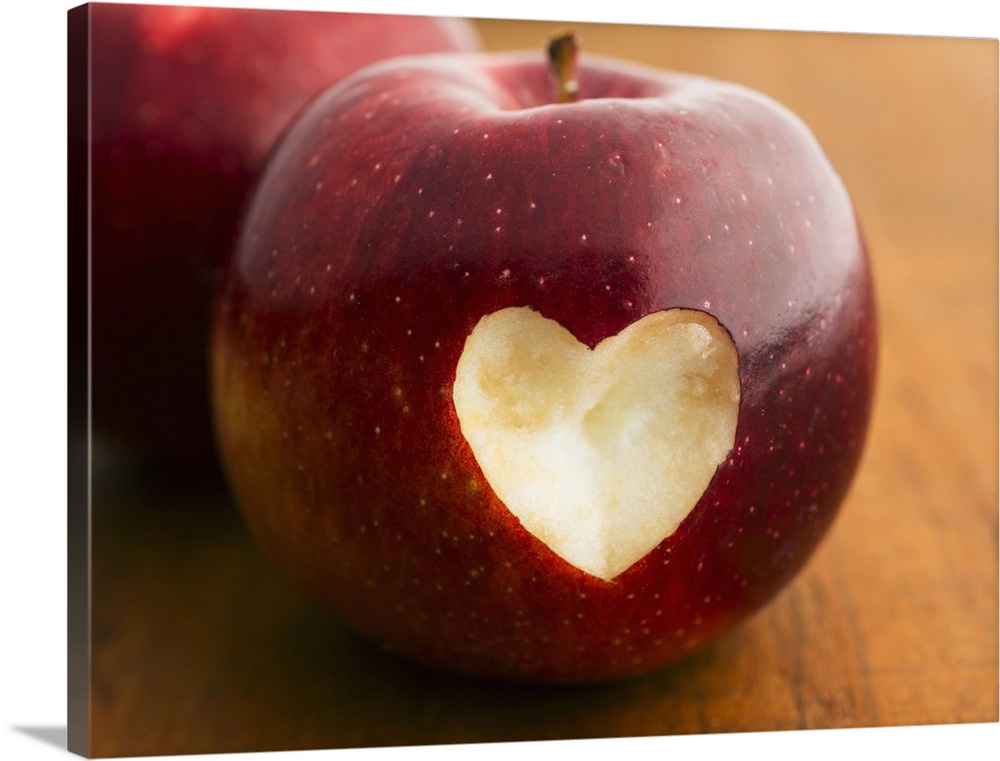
(422, 194)
(186, 102)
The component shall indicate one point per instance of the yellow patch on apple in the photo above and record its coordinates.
(600, 453)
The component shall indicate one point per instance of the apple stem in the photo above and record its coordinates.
(563, 49)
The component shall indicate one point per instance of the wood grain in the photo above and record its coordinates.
(199, 647)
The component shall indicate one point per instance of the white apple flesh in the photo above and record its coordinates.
(599, 453)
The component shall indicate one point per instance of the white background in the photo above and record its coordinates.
(33, 370)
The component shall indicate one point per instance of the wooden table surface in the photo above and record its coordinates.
(198, 646)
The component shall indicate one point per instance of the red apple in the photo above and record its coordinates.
(186, 102)
(539, 390)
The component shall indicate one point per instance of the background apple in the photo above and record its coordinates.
(185, 104)
(436, 260)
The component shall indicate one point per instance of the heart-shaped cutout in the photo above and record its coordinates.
(599, 453)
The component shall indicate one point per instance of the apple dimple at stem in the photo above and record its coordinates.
(600, 453)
